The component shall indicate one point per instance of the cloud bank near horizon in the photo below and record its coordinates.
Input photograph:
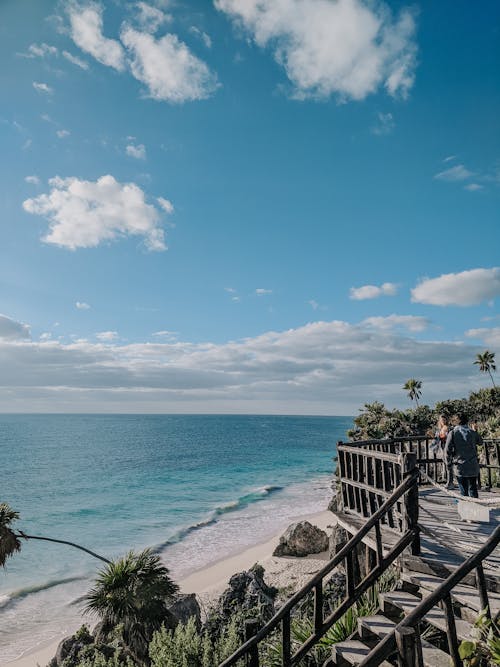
(319, 368)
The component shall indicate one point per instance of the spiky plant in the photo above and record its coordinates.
(9, 540)
(132, 593)
(486, 363)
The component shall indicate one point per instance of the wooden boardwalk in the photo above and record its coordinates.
(452, 540)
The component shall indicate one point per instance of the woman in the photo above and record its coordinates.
(440, 440)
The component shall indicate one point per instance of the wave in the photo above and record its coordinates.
(15, 596)
(232, 506)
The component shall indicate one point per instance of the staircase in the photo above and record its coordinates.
(398, 604)
(422, 623)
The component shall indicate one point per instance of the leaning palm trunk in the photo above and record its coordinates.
(22, 535)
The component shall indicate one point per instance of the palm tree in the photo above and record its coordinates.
(133, 592)
(486, 363)
(10, 540)
(413, 388)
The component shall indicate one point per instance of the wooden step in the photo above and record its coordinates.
(465, 595)
(352, 652)
(377, 625)
(407, 602)
(380, 626)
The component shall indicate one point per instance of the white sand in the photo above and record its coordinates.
(208, 583)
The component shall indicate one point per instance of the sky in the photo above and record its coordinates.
(246, 206)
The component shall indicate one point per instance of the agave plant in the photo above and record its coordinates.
(131, 594)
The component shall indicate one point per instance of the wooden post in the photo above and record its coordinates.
(451, 631)
(410, 512)
(406, 641)
(483, 589)
(318, 606)
(250, 629)
(287, 644)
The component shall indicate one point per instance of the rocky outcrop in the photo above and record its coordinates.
(302, 539)
(248, 595)
(185, 607)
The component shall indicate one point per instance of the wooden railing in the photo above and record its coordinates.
(368, 478)
(355, 587)
(405, 638)
(429, 460)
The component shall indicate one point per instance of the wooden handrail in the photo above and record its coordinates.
(387, 646)
(410, 481)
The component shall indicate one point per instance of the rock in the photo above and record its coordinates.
(247, 593)
(70, 647)
(185, 607)
(339, 537)
(302, 539)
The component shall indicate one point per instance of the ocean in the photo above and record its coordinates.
(196, 488)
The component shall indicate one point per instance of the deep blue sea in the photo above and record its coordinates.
(196, 488)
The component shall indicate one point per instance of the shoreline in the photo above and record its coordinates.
(210, 581)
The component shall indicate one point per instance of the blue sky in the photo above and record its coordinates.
(246, 206)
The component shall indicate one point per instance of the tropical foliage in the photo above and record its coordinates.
(377, 421)
(9, 540)
(486, 363)
(484, 649)
(413, 387)
(186, 647)
(131, 595)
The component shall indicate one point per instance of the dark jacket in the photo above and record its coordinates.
(461, 450)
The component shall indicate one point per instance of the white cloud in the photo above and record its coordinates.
(459, 289)
(349, 47)
(165, 204)
(42, 88)
(169, 70)
(150, 18)
(13, 330)
(81, 305)
(107, 336)
(165, 334)
(75, 60)
(33, 180)
(138, 152)
(260, 291)
(449, 158)
(201, 35)
(62, 134)
(40, 51)
(83, 214)
(412, 323)
(474, 187)
(86, 27)
(231, 290)
(45, 336)
(323, 368)
(384, 124)
(490, 337)
(453, 174)
(372, 291)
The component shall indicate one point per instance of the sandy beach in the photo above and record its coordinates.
(209, 582)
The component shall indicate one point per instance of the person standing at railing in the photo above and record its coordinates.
(461, 451)
(439, 449)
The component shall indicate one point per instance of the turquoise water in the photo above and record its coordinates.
(196, 488)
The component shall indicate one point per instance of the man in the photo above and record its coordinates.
(461, 450)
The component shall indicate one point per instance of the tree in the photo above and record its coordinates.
(486, 363)
(413, 388)
(131, 595)
(10, 540)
